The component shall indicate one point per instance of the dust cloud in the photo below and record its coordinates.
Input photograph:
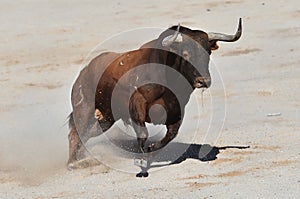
(33, 143)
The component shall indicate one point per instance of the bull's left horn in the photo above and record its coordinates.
(224, 37)
(167, 41)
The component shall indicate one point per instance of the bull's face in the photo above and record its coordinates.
(193, 60)
(193, 48)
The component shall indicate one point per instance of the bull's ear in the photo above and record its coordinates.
(213, 45)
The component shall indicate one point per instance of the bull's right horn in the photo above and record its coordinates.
(224, 37)
(176, 37)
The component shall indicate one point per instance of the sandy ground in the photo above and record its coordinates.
(43, 45)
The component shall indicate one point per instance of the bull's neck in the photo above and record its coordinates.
(173, 61)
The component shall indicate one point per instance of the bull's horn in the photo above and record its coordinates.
(223, 37)
(176, 37)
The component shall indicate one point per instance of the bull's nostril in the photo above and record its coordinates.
(201, 82)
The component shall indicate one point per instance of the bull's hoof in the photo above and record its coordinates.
(142, 174)
(153, 147)
(70, 166)
(85, 163)
(150, 148)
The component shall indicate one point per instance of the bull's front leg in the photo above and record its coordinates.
(138, 113)
(142, 135)
(172, 131)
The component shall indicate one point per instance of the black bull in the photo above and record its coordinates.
(148, 89)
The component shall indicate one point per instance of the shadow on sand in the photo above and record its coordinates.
(176, 153)
(200, 152)
(173, 153)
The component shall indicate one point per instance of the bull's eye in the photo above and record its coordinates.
(185, 54)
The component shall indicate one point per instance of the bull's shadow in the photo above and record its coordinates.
(173, 153)
(199, 152)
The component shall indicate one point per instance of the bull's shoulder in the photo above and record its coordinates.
(125, 62)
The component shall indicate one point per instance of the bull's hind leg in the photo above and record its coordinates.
(90, 128)
(172, 131)
(78, 139)
(75, 145)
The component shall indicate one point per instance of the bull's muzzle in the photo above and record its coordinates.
(202, 82)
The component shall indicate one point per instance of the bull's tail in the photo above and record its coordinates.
(71, 121)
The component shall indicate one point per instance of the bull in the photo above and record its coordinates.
(179, 48)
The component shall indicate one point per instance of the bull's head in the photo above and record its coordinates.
(194, 48)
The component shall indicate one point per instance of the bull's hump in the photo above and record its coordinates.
(128, 61)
